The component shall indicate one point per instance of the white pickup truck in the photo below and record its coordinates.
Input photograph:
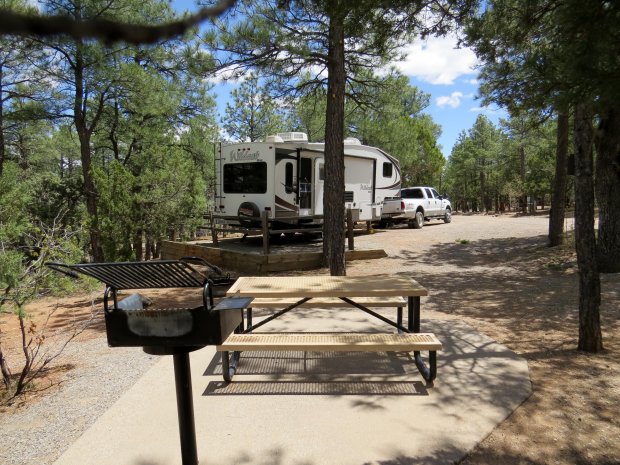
(416, 205)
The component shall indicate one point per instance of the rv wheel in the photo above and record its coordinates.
(249, 214)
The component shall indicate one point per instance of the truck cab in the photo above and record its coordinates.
(415, 205)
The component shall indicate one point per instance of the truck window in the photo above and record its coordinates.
(245, 178)
(412, 194)
(387, 170)
(435, 193)
(428, 193)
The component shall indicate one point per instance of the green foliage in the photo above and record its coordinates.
(524, 50)
(254, 114)
(490, 167)
(15, 195)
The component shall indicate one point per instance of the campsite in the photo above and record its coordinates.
(309, 232)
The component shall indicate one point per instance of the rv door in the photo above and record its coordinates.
(319, 181)
(285, 184)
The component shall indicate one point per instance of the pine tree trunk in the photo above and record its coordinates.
(333, 199)
(148, 249)
(137, 245)
(608, 191)
(88, 189)
(590, 338)
(524, 195)
(558, 202)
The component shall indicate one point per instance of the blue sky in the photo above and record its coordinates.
(448, 74)
(437, 67)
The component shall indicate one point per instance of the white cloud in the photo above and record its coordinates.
(227, 75)
(437, 60)
(486, 109)
(453, 100)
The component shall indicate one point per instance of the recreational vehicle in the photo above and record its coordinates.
(285, 176)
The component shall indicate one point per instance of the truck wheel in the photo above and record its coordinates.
(418, 221)
(249, 215)
(447, 217)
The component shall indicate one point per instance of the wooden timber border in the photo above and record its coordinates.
(253, 262)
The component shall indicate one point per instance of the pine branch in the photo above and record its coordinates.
(107, 31)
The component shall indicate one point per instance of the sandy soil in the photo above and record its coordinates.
(496, 274)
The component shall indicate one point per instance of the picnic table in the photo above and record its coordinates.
(360, 292)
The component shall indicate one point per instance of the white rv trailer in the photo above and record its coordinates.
(285, 177)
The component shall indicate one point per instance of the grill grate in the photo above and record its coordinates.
(154, 274)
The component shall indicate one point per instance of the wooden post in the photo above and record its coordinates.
(350, 228)
(213, 229)
(265, 225)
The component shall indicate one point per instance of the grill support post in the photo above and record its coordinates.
(185, 408)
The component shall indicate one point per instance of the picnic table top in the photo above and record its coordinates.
(327, 286)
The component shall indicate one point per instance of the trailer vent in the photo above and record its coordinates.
(293, 136)
(273, 139)
(352, 141)
(348, 196)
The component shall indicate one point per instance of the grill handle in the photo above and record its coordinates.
(106, 296)
(207, 295)
(64, 269)
(202, 262)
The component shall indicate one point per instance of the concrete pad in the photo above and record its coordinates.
(318, 408)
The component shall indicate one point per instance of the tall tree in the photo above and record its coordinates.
(151, 169)
(79, 66)
(590, 337)
(558, 201)
(333, 41)
(89, 80)
(253, 114)
(20, 80)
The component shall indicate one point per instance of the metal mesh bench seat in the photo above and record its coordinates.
(319, 342)
(332, 342)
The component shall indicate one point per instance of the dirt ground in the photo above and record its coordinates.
(496, 274)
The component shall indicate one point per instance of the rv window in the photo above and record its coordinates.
(288, 177)
(245, 178)
(321, 172)
(387, 170)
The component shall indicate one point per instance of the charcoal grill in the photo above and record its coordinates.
(167, 331)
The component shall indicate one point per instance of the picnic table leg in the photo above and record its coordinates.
(229, 366)
(185, 408)
(249, 317)
(413, 314)
(429, 373)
